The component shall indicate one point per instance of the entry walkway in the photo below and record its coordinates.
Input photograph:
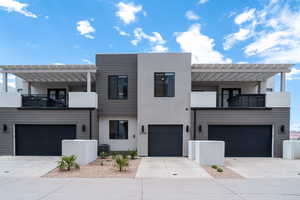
(170, 167)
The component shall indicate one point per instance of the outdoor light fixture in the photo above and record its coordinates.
(83, 128)
(200, 128)
(282, 128)
(143, 129)
(4, 128)
(187, 128)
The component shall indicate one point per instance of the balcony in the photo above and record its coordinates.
(247, 101)
(43, 101)
(204, 99)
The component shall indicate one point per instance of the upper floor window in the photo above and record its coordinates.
(118, 129)
(117, 87)
(164, 84)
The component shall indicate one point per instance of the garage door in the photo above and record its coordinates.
(243, 141)
(165, 140)
(42, 140)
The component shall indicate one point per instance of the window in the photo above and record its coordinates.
(228, 93)
(117, 87)
(118, 129)
(164, 84)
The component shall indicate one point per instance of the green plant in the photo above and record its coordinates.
(113, 155)
(220, 170)
(67, 163)
(133, 154)
(103, 155)
(121, 162)
(214, 166)
(124, 155)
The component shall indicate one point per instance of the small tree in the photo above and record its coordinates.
(121, 162)
(67, 163)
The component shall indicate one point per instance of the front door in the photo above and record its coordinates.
(228, 93)
(57, 97)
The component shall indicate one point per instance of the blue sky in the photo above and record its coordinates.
(73, 31)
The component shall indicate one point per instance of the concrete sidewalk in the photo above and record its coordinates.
(147, 189)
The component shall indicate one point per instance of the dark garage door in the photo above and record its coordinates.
(165, 140)
(243, 140)
(42, 140)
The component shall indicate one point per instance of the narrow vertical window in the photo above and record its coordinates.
(117, 87)
(164, 84)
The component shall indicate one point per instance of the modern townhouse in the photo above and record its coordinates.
(152, 102)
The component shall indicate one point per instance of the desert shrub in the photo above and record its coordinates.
(103, 155)
(214, 167)
(113, 155)
(67, 163)
(124, 155)
(121, 162)
(132, 154)
(220, 170)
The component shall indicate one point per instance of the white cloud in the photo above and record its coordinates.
(58, 63)
(245, 16)
(127, 11)
(190, 15)
(294, 74)
(15, 6)
(121, 32)
(202, 1)
(85, 28)
(200, 45)
(274, 32)
(86, 61)
(159, 48)
(156, 40)
(231, 39)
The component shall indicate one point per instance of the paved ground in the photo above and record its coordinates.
(170, 167)
(26, 166)
(147, 189)
(264, 167)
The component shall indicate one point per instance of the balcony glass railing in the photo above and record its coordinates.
(43, 101)
(247, 101)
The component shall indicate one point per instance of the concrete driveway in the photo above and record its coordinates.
(264, 167)
(26, 166)
(170, 167)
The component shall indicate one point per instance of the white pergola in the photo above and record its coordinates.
(239, 72)
(50, 73)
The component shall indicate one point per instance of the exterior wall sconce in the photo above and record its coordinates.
(282, 128)
(143, 129)
(187, 128)
(4, 128)
(200, 128)
(83, 128)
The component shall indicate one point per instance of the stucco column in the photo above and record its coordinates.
(282, 82)
(88, 81)
(5, 89)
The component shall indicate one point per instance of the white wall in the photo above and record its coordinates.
(118, 145)
(278, 99)
(204, 99)
(83, 100)
(163, 110)
(10, 99)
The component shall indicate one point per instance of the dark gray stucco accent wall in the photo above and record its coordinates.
(274, 116)
(116, 64)
(12, 116)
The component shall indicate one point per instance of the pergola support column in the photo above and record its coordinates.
(5, 88)
(88, 81)
(282, 82)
